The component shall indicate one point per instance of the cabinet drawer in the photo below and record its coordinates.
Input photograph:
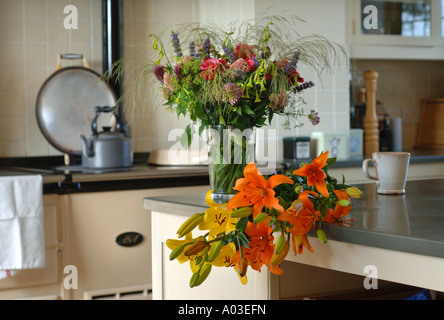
(41, 276)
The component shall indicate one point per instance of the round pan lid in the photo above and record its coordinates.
(65, 107)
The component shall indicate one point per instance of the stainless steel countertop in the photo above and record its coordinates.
(412, 223)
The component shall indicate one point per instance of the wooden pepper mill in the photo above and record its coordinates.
(371, 131)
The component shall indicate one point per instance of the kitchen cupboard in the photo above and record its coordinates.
(43, 283)
(395, 29)
(105, 269)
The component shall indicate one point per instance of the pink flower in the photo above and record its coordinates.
(231, 93)
(250, 63)
(210, 66)
(244, 51)
(187, 59)
(170, 82)
(314, 117)
(241, 65)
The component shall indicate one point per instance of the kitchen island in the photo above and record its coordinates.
(394, 238)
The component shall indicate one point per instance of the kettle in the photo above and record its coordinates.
(106, 149)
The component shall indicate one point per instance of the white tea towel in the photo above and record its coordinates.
(22, 238)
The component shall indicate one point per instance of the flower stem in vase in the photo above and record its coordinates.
(228, 152)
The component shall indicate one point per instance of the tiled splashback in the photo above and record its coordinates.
(401, 86)
(32, 34)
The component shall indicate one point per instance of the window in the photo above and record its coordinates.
(410, 18)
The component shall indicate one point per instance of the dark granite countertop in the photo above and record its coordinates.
(412, 223)
(60, 178)
(417, 156)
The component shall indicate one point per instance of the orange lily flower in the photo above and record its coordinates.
(339, 212)
(261, 246)
(314, 173)
(301, 214)
(255, 190)
(299, 242)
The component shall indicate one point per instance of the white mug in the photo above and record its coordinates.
(391, 171)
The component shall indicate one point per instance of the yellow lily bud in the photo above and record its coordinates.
(277, 258)
(203, 274)
(354, 192)
(190, 224)
(241, 212)
(280, 243)
(260, 217)
(215, 250)
(194, 279)
(322, 236)
(176, 252)
(344, 203)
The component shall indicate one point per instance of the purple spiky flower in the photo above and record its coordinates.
(176, 44)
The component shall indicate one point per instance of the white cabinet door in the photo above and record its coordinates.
(171, 279)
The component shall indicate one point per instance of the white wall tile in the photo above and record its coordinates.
(32, 34)
(13, 54)
(10, 8)
(35, 29)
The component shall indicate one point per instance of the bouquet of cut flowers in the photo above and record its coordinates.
(230, 83)
(263, 220)
(235, 78)
(240, 76)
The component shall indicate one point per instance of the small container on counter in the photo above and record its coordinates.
(396, 124)
(297, 148)
(356, 143)
(386, 135)
(335, 142)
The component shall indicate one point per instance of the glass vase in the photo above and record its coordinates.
(229, 151)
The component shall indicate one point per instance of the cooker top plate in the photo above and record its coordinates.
(65, 107)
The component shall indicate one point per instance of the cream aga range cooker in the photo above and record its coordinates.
(94, 221)
(110, 236)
